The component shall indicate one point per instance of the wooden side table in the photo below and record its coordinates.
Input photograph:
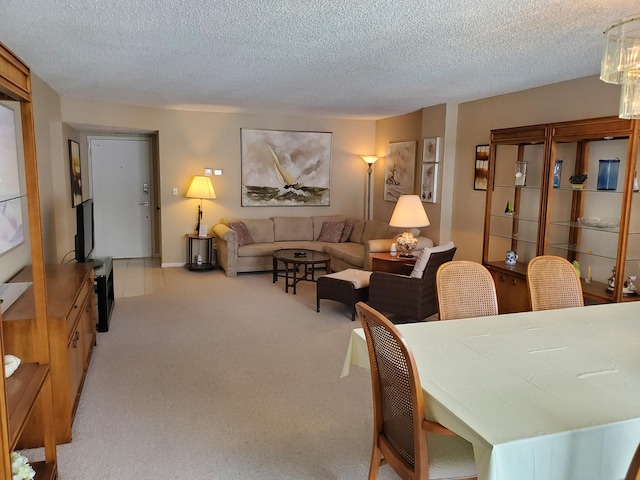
(385, 262)
(208, 259)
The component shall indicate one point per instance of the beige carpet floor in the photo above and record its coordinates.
(222, 378)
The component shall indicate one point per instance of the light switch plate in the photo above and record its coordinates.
(217, 172)
(207, 172)
(175, 190)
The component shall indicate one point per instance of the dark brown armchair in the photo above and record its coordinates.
(406, 296)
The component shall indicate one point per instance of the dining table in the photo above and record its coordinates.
(547, 395)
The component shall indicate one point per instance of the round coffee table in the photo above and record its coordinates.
(293, 258)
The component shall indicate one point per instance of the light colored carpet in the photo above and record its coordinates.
(222, 378)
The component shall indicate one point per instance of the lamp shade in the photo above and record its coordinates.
(409, 213)
(201, 188)
(370, 159)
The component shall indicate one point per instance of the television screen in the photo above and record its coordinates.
(84, 231)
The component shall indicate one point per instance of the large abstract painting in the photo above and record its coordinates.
(285, 168)
(399, 166)
(11, 224)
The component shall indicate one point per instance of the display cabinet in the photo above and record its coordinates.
(514, 210)
(578, 200)
(597, 223)
(28, 391)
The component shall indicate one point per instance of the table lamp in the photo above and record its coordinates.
(409, 213)
(200, 188)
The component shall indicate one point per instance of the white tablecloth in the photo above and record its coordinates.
(551, 395)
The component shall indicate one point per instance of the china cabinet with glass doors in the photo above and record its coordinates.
(578, 200)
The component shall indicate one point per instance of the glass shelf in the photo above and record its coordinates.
(586, 251)
(521, 187)
(514, 217)
(585, 227)
(513, 237)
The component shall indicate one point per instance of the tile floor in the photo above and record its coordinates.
(136, 276)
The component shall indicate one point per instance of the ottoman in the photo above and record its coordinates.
(348, 286)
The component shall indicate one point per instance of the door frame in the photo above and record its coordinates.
(154, 175)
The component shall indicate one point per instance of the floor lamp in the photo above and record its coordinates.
(370, 159)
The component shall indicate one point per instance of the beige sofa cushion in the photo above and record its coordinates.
(373, 230)
(292, 228)
(358, 228)
(261, 229)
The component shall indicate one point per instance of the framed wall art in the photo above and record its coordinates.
(429, 184)
(431, 150)
(76, 174)
(285, 168)
(399, 170)
(11, 196)
(481, 167)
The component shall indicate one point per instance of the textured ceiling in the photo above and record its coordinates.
(348, 58)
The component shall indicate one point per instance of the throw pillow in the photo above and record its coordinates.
(244, 237)
(331, 232)
(423, 259)
(346, 233)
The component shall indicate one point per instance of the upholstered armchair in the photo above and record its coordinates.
(410, 296)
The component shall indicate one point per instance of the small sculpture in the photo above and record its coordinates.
(577, 181)
(509, 209)
(612, 279)
(629, 286)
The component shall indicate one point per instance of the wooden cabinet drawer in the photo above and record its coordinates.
(77, 308)
(512, 292)
(75, 364)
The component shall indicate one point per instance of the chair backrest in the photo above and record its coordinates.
(634, 467)
(465, 289)
(397, 396)
(553, 283)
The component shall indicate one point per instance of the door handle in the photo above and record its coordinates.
(144, 204)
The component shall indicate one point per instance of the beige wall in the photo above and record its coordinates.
(583, 98)
(190, 141)
(402, 128)
(426, 123)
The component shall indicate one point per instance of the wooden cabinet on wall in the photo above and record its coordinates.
(72, 334)
(596, 224)
(26, 396)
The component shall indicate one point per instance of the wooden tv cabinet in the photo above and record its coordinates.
(71, 319)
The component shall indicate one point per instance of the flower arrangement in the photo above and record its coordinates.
(20, 467)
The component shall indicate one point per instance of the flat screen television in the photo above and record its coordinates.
(85, 231)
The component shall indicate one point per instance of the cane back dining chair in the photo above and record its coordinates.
(410, 296)
(413, 446)
(465, 289)
(634, 467)
(553, 283)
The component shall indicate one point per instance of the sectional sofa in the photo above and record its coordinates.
(250, 246)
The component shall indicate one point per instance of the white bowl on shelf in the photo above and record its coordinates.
(597, 222)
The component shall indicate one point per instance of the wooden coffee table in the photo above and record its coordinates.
(293, 259)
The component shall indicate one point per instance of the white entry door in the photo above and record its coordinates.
(122, 196)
